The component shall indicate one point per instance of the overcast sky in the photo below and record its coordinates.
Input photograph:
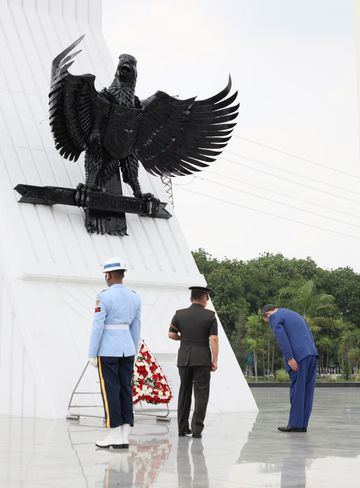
(289, 180)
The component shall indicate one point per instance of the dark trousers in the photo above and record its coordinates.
(302, 392)
(199, 376)
(115, 381)
(186, 458)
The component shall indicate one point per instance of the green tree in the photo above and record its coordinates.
(321, 313)
(237, 340)
(307, 300)
(258, 340)
(227, 289)
(349, 350)
(328, 299)
(344, 285)
(265, 276)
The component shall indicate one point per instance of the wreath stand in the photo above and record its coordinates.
(75, 415)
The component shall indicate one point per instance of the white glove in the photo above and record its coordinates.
(93, 362)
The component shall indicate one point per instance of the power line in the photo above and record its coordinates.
(290, 180)
(278, 193)
(280, 203)
(295, 156)
(193, 176)
(269, 213)
(262, 163)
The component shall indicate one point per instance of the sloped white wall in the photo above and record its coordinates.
(50, 266)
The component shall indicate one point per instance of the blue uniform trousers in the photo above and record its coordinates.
(302, 392)
(115, 375)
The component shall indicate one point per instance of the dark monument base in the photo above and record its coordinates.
(103, 204)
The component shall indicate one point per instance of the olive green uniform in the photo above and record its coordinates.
(195, 325)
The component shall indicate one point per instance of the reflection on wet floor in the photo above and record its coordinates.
(321, 457)
(237, 450)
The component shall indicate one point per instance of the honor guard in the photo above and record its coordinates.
(114, 342)
(300, 357)
(196, 329)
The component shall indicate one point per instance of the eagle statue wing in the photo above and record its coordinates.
(71, 105)
(179, 137)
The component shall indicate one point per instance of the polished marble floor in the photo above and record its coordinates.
(237, 450)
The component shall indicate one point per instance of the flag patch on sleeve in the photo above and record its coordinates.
(97, 309)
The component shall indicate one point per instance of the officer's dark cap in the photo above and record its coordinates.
(267, 308)
(200, 289)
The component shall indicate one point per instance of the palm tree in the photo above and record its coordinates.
(320, 312)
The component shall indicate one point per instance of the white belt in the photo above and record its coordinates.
(117, 326)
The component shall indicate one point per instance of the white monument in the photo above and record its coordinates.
(50, 266)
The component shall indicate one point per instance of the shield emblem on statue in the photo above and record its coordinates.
(120, 134)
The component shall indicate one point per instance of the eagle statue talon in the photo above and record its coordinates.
(151, 204)
(82, 195)
(167, 135)
(147, 196)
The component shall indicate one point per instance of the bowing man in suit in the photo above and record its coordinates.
(297, 345)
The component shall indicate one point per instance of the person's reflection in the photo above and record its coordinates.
(119, 470)
(194, 456)
(137, 467)
(272, 452)
(293, 472)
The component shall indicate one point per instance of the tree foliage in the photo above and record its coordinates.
(328, 299)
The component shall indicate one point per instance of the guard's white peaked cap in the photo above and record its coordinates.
(114, 264)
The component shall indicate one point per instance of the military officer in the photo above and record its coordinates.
(196, 329)
(300, 356)
(114, 342)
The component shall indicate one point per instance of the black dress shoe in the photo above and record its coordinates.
(197, 436)
(290, 428)
(186, 433)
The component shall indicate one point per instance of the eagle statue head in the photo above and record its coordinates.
(126, 71)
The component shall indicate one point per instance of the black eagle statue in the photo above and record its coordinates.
(116, 130)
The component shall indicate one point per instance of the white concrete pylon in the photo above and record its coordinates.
(50, 266)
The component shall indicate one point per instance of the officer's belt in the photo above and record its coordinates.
(195, 343)
(117, 326)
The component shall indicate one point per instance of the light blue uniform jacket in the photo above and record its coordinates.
(116, 305)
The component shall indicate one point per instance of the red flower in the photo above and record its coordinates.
(147, 380)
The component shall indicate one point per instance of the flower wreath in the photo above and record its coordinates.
(147, 459)
(149, 382)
